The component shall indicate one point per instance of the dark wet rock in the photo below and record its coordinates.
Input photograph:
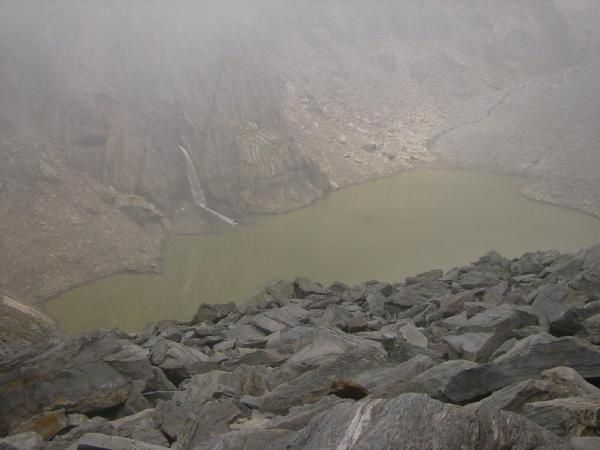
(525, 360)
(349, 389)
(573, 416)
(412, 421)
(570, 322)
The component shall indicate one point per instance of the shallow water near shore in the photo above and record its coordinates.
(385, 230)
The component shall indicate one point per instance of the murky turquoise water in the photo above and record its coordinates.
(384, 230)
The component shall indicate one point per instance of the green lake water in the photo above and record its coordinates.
(384, 230)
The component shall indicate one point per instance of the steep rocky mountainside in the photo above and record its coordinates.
(254, 90)
(60, 228)
(499, 354)
(277, 102)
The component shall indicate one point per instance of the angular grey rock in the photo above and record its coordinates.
(178, 361)
(247, 336)
(475, 280)
(336, 317)
(103, 442)
(328, 341)
(585, 443)
(289, 341)
(312, 385)
(486, 331)
(414, 421)
(434, 381)
(471, 346)
(255, 357)
(560, 382)
(413, 336)
(171, 415)
(299, 416)
(23, 441)
(70, 373)
(210, 420)
(525, 360)
(305, 287)
(95, 425)
(573, 416)
(255, 439)
(383, 381)
(212, 313)
(140, 427)
(571, 321)
(277, 319)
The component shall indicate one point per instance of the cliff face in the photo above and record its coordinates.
(121, 86)
(257, 92)
(273, 100)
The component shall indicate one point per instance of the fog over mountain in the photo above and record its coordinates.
(126, 123)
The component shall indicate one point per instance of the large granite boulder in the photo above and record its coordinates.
(416, 421)
(86, 373)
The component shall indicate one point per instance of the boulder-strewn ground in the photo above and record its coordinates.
(499, 354)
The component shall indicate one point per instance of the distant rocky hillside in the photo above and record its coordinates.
(269, 95)
(276, 102)
(499, 354)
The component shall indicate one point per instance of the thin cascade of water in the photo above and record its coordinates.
(196, 188)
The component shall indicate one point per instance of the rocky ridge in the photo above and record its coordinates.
(499, 354)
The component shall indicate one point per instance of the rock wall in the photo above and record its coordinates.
(259, 93)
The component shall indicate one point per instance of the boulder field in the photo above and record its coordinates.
(499, 354)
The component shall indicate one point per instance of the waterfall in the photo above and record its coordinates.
(196, 188)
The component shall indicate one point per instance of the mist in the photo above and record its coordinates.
(214, 181)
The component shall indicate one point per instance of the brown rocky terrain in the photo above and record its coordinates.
(276, 103)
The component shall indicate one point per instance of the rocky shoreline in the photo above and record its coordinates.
(499, 354)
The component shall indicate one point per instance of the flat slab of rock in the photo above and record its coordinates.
(574, 416)
(560, 382)
(94, 441)
(416, 421)
(526, 360)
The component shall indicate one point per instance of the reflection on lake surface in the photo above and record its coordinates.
(384, 230)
